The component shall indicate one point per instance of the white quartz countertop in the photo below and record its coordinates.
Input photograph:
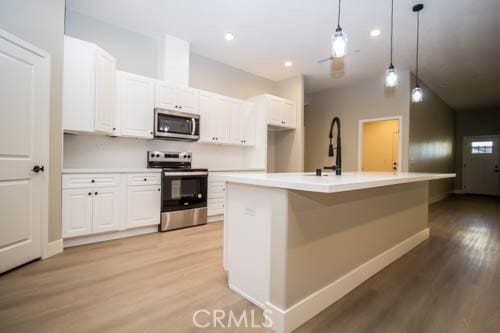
(329, 182)
(112, 170)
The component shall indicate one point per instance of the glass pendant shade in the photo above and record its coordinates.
(417, 95)
(339, 43)
(391, 77)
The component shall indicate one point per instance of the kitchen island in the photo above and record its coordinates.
(294, 243)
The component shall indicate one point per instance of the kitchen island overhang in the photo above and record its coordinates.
(295, 243)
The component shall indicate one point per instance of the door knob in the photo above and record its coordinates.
(38, 168)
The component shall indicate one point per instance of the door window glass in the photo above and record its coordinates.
(482, 147)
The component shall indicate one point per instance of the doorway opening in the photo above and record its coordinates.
(481, 173)
(379, 144)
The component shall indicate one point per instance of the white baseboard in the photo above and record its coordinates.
(215, 218)
(251, 299)
(438, 197)
(291, 318)
(69, 242)
(54, 248)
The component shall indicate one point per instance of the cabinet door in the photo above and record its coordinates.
(143, 206)
(166, 96)
(77, 212)
(274, 110)
(288, 114)
(79, 85)
(248, 123)
(135, 105)
(188, 100)
(208, 121)
(105, 92)
(106, 208)
(222, 108)
(236, 122)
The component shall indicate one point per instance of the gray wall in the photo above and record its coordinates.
(41, 23)
(362, 101)
(431, 142)
(473, 123)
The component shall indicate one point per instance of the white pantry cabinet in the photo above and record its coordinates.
(135, 98)
(178, 98)
(88, 88)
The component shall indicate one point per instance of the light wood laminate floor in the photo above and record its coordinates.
(154, 283)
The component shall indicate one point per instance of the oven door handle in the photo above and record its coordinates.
(194, 173)
(194, 126)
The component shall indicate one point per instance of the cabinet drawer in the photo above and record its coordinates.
(144, 179)
(215, 206)
(91, 180)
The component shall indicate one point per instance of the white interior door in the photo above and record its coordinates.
(24, 132)
(481, 165)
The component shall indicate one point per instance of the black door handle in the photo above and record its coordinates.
(38, 168)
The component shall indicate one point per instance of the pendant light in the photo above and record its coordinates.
(391, 74)
(417, 95)
(339, 40)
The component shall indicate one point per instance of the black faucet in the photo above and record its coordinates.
(338, 156)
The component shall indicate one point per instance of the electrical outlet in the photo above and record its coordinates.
(250, 211)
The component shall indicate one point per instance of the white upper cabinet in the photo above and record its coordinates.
(135, 96)
(226, 120)
(215, 113)
(88, 88)
(280, 112)
(242, 123)
(173, 97)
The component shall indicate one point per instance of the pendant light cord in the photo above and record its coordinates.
(418, 41)
(338, 17)
(392, 27)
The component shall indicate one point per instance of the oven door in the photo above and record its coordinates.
(177, 125)
(184, 190)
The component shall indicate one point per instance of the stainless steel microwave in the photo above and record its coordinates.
(175, 125)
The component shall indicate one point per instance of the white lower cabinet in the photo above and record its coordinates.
(215, 197)
(106, 209)
(143, 205)
(103, 203)
(77, 212)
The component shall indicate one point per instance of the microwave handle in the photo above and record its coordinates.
(193, 131)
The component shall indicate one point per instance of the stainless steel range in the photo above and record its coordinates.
(183, 190)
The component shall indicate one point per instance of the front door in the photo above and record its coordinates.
(24, 130)
(481, 165)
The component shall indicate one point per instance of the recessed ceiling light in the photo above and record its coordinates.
(375, 33)
(288, 63)
(228, 36)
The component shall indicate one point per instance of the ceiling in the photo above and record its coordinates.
(460, 48)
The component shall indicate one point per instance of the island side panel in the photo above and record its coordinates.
(330, 235)
(252, 214)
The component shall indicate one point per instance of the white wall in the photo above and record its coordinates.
(367, 100)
